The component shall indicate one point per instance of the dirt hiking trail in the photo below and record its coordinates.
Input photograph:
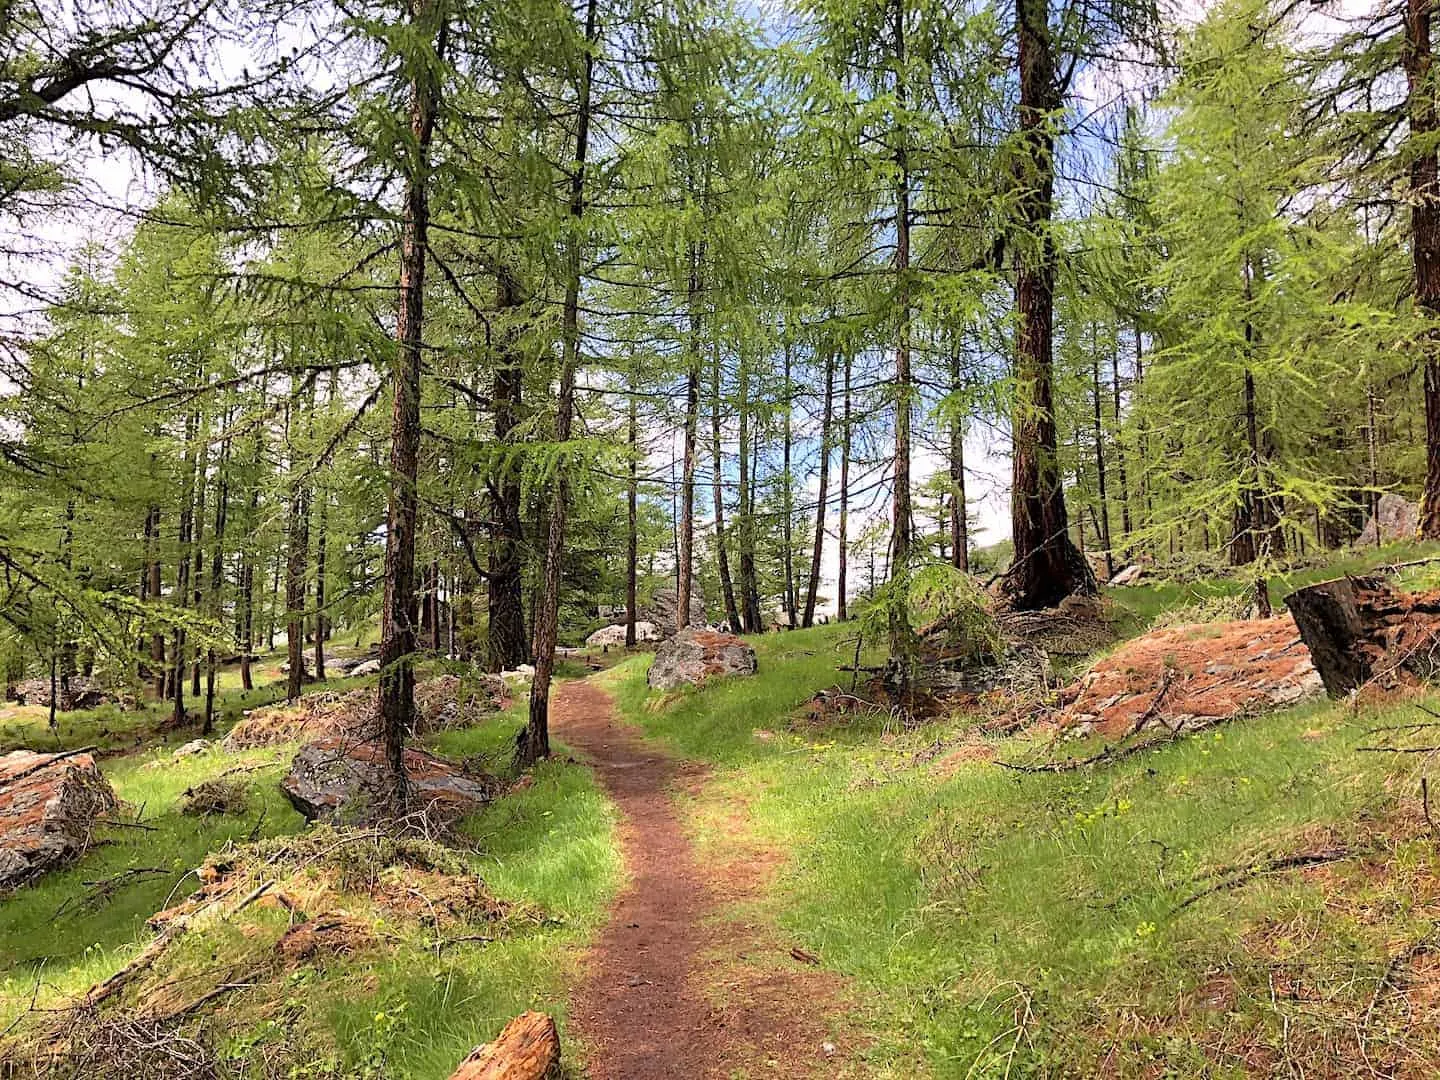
(669, 990)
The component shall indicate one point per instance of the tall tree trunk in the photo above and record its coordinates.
(1104, 525)
(1047, 567)
(1425, 237)
(322, 621)
(827, 412)
(198, 542)
(398, 614)
(842, 611)
(750, 618)
(182, 568)
(508, 646)
(902, 637)
(1120, 445)
(632, 531)
(297, 548)
(153, 591)
(685, 569)
(959, 509)
(217, 571)
(534, 741)
(787, 506)
(717, 490)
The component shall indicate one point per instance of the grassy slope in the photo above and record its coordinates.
(998, 923)
(408, 1009)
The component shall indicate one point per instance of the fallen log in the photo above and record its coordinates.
(528, 1049)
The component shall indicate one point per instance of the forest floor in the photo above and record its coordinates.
(729, 885)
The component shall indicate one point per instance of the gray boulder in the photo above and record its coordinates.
(615, 635)
(343, 781)
(692, 656)
(1395, 518)
(48, 807)
(664, 604)
(367, 667)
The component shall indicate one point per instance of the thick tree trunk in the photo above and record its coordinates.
(508, 645)
(1047, 567)
(534, 741)
(842, 611)
(827, 412)
(1425, 237)
(398, 614)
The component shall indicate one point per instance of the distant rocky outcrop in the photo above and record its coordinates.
(48, 807)
(337, 780)
(1395, 518)
(692, 656)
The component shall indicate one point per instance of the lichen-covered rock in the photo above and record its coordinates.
(365, 667)
(48, 807)
(338, 780)
(664, 607)
(615, 635)
(445, 701)
(193, 747)
(1395, 518)
(692, 656)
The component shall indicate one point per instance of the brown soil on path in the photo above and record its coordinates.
(671, 991)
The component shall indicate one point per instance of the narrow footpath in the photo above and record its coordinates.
(671, 991)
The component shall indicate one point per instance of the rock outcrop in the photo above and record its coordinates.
(1190, 676)
(1395, 518)
(347, 782)
(692, 656)
(446, 701)
(608, 636)
(48, 807)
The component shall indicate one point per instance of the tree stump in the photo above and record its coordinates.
(1334, 630)
(528, 1049)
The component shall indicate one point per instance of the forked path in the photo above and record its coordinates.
(669, 992)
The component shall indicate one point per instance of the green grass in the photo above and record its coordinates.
(48, 933)
(959, 898)
(1138, 605)
(405, 1009)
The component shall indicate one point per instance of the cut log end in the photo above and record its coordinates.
(528, 1049)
